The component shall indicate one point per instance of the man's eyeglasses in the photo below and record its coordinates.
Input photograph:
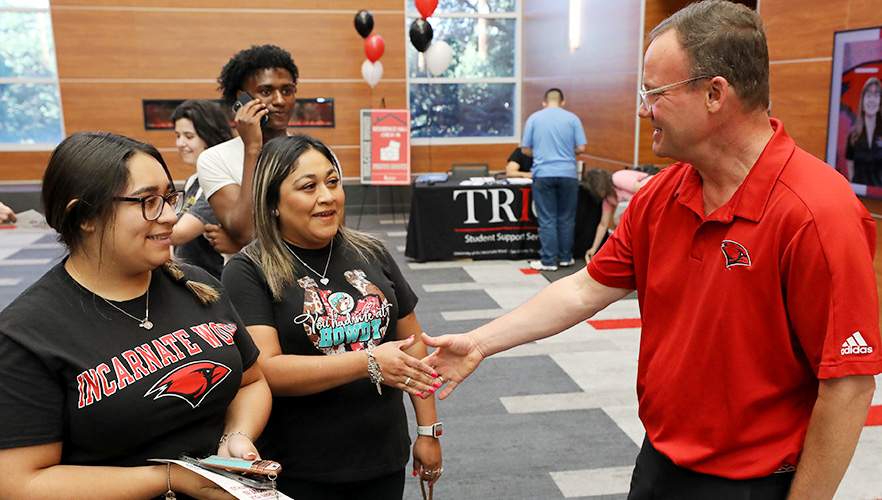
(152, 205)
(650, 96)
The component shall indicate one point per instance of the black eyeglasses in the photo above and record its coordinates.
(152, 205)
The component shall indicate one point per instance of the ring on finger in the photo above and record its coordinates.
(408, 381)
(441, 379)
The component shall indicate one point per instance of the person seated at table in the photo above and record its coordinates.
(199, 125)
(334, 319)
(117, 355)
(627, 182)
(519, 164)
(597, 202)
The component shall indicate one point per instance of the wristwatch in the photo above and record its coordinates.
(433, 430)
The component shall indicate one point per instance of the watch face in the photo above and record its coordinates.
(437, 429)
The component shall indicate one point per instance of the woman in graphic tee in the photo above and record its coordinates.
(117, 355)
(322, 300)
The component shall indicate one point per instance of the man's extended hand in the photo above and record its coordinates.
(455, 358)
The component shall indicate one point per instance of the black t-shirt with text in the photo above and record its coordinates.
(348, 433)
(77, 371)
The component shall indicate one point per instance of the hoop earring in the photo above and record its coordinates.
(275, 212)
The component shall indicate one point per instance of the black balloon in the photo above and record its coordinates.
(364, 23)
(421, 34)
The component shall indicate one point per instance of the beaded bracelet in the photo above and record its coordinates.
(374, 368)
(228, 435)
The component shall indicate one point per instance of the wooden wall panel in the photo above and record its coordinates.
(803, 113)
(23, 165)
(171, 44)
(802, 29)
(374, 6)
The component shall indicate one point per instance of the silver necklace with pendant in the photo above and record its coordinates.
(323, 279)
(143, 323)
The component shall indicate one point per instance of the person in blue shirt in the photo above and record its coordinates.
(553, 137)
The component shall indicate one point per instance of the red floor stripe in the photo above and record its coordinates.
(529, 271)
(875, 416)
(609, 324)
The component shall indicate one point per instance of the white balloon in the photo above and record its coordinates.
(439, 55)
(371, 72)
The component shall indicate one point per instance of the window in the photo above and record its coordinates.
(477, 98)
(30, 102)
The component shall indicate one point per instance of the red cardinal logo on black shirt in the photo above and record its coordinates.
(735, 253)
(191, 382)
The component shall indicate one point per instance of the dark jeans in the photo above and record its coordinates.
(388, 487)
(656, 477)
(556, 199)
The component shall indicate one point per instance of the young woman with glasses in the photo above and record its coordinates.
(117, 355)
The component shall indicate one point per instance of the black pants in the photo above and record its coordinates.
(656, 477)
(388, 487)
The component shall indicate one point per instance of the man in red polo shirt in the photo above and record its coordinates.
(753, 262)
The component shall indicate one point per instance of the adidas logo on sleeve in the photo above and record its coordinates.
(856, 345)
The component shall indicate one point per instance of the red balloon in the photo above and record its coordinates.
(426, 7)
(374, 47)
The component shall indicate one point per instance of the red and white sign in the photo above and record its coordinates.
(385, 147)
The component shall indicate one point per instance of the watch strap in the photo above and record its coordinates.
(433, 430)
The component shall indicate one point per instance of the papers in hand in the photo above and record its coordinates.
(30, 221)
(238, 490)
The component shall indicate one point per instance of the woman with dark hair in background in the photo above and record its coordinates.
(864, 150)
(334, 319)
(116, 355)
(595, 213)
(199, 125)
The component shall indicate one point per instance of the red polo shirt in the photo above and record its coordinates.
(743, 311)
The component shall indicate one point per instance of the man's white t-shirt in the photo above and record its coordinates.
(221, 166)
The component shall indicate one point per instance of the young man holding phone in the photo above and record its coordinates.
(268, 75)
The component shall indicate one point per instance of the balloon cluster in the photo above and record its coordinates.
(438, 54)
(374, 46)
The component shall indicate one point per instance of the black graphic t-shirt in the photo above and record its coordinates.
(199, 251)
(76, 370)
(348, 433)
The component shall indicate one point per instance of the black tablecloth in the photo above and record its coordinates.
(449, 221)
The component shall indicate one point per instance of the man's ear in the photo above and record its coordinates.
(717, 94)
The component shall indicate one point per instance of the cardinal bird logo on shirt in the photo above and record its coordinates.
(735, 253)
(191, 382)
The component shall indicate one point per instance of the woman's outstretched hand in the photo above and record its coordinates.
(403, 371)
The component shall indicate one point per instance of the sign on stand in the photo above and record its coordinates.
(385, 147)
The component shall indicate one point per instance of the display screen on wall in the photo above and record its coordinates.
(314, 112)
(854, 129)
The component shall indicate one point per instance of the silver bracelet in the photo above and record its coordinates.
(169, 495)
(228, 435)
(374, 368)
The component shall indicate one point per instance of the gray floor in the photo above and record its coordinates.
(552, 419)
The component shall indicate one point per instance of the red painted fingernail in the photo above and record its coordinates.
(436, 384)
(432, 390)
(415, 473)
(420, 394)
(434, 374)
(408, 338)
